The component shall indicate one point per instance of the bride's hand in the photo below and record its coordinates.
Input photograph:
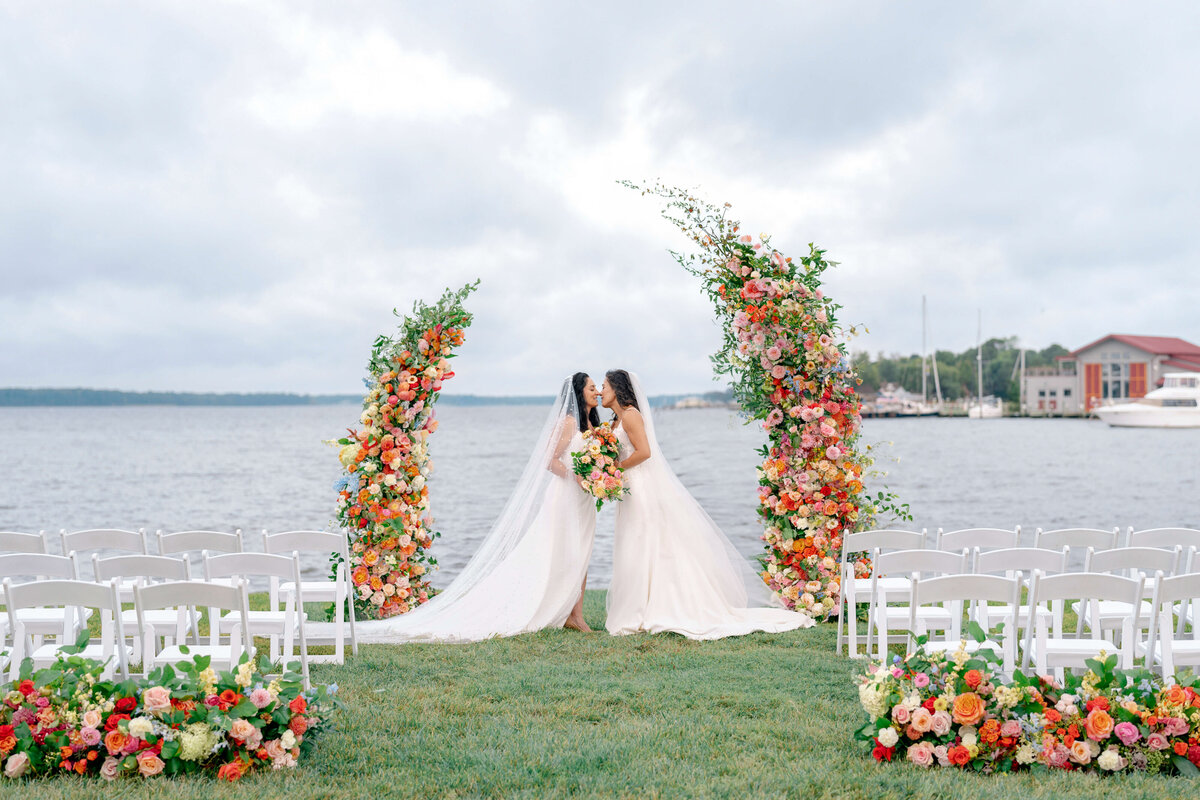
(579, 480)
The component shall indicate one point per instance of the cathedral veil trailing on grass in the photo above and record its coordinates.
(527, 573)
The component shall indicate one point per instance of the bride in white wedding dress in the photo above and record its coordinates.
(673, 568)
(530, 570)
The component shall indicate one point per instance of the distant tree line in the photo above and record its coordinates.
(955, 370)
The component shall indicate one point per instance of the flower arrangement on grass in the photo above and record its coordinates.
(954, 710)
(383, 499)
(68, 720)
(597, 465)
(788, 368)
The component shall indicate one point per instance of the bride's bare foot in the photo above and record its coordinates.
(577, 625)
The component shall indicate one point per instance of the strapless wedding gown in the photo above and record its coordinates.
(534, 586)
(672, 571)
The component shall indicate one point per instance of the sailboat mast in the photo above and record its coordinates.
(979, 360)
(924, 356)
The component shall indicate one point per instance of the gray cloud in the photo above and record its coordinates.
(235, 199)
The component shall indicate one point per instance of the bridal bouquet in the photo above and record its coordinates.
(597, 465)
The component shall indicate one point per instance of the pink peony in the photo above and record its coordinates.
(260, 697)
(1127, 732)
(1010, 728)
(1057, 756)
(779, 372)
(774, 353)
(1175, 726)
(833, 452)
(921, 754)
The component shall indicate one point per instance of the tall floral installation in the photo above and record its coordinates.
(69, 719)
(955, 710)
(785, 359)
(383, 499)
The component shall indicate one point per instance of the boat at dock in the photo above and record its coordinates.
(1175, 405)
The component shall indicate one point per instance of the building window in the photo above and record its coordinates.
(1066, 393)
(1053, 393)
(1041, 392)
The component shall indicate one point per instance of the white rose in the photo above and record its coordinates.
(970, 736)
(141, 727)
(888, 737)
(16, 765)
(1111, 760)
(288, 740)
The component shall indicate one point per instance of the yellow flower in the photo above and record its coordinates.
(940, 704)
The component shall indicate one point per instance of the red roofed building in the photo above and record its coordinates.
(1114, 368)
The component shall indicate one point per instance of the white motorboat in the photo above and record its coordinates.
(987, 408)
(1175, 405)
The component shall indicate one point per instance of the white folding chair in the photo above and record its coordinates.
(854, 589)
(39, 622)
(192, 596)
(17, 542)
(1131, 562)
(140, 570)
(976, 539)
(1187, 538)
(1045, 644)
(1167, 649)
(336, 591)
(183, 543)
(1009, 562)
(70, 596)
(965, 595)
(884, 617)
(286, 625)
(106, 540)
(1077, 537)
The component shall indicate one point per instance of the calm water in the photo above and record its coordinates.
(177, 468)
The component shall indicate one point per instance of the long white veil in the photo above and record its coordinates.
(740, 582)
(442, 615)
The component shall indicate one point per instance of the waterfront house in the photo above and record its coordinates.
(1114, 368)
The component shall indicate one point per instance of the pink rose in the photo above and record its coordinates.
(774, 353)
(942, 754)
(1156, 741)
(16, 765)
(260, 697)
(921, 754)
(241, 729)
(922, 720)
(91, 718)
(1080, 752)
(149, 764)
(1010, 728)
(833, 452)
(941, 723)
(110, 769)
(90, 736)
(156, 698)
(900, 715)
(1127, 732)
(779, 372)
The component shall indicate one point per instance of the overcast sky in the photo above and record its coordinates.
(233, 196)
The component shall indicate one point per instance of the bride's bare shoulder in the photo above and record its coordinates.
(633, 416)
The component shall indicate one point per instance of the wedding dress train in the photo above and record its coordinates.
(673, 568)
(527, 574)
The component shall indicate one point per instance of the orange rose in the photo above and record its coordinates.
(973, 678)
(990, 732)
(959, 755)
(233, 770)
(370, 557)
(968, 708)
(1175, 695)
(298, 725)
(1052, 715)
(115, 740)
(1180, 747)
(1099, 724)
(7, 743)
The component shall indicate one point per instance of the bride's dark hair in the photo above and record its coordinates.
(582, 413)
(622, 387)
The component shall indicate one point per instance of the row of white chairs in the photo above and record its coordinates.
(139, 569)
(1144, 552)
(940, 606)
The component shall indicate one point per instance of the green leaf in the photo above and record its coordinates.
(1185, 767)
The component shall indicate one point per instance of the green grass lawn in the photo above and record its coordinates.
(560, 713)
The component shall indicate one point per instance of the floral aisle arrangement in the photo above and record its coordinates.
(383, 500)
(190, 719)
(596, 464)
(784, 355)
(954, 710)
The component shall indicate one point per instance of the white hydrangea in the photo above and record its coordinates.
(1111, 760)
(874, 701)
(197, 741)
(1026, 754)
(140, 727)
